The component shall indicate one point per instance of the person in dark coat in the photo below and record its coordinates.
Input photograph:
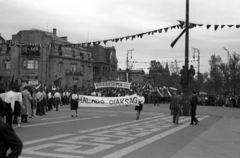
(194, 103)
(176, 106)
(9, 140)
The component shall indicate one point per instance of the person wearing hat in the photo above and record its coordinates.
(176, 106)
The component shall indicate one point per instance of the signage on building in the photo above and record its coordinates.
(112, 84)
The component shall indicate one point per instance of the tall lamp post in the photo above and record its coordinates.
(127, 63)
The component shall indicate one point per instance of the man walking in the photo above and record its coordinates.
(9, 106)
(194, 103)
(176, 106)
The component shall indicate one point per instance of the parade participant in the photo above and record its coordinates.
(176, 105)
(191, 73)
(18, 106)
(139, 108)
(2, 103)
(44, 105)
(9, 106)
(155, 99)
(9, 140)
(50, 100)
(74, 102)
(57, 99)
(26, 104)
(39, 97)
(194, 103)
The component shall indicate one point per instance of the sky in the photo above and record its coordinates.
(96, 20)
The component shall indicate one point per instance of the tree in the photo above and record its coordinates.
(215, 75)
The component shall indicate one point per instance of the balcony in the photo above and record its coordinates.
(73, 73)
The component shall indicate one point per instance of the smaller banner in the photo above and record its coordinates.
(112, 84)
(91, 101)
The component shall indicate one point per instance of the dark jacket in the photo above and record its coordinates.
(9, 140)
(194, 102)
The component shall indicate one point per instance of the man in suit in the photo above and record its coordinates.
(194, 103)
(9, 140)
(176, 106)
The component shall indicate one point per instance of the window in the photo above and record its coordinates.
(60, 66)
(83, 69)
(95, 71)
(81, 55)
(73, 67)
(36, 64)
(24, 63)
(89, 69)
(75, 81)
(7, 64)
(31, 64)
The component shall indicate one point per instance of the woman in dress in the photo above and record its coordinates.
(139, 108)
(27, 98)
(74, 103)
(18, 106)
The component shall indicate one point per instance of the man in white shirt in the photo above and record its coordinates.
(57, 99)
(9, 107)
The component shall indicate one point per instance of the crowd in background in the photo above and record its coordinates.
(30, 101)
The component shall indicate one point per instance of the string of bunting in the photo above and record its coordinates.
(164, 62)
(120, 39)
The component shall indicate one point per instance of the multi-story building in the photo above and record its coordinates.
(105, 63)
(40, 56)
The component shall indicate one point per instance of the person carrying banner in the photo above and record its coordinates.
(139, 107)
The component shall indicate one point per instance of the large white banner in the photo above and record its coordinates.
(91, 101)
(112, 84)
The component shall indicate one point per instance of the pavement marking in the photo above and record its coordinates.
(48, 123)
(96, 142)
(55, 118)
(145, 142)
(88, 130)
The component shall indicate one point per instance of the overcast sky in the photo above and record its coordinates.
(93, 20)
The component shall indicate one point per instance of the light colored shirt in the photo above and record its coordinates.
(49, 95)
(10, 98)
(57, 95)
(74, 96)
(18, 97)
(39, 96)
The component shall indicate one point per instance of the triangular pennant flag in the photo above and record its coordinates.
(149, 33)
(230, 25)
(116, 39)
(127, 38)
(152, 32)
(141, 35)
(208, 26)
(200, 25)
(237, 26)
(121, 39)
(94, 43)
(222, 26)
(160, 30)
(133, 37)
(105, 42)
(166, 29)
(215, 27)
(88, 44)
(155, 31)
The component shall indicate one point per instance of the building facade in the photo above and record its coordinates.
(40, 56)
(105, 63)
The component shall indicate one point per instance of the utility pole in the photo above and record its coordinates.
(127, 63)
(185, 87)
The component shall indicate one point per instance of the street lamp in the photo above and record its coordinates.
(127, 62)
